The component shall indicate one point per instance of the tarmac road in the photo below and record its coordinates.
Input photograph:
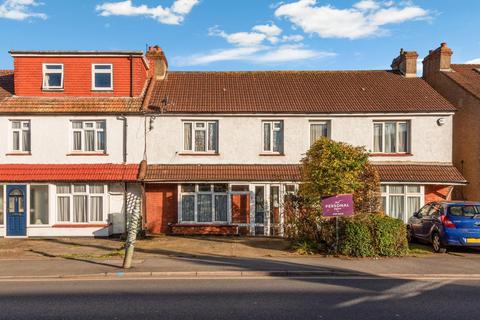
(233, 298)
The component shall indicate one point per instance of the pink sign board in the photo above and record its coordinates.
(338, 206)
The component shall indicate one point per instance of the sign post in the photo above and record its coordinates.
(338, 206)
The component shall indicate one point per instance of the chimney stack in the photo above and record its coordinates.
(406, 63)
(437, 60)
(158, 63)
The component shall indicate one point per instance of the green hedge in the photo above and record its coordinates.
(365, 236)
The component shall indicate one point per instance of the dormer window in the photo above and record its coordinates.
(102, 77)
(52, 76)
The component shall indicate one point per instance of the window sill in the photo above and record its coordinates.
(81, 225)
(87, 154)
(198, 154)
(391, 155)
(19, 154)
(103, 90)
(52, 90)
(272, 154)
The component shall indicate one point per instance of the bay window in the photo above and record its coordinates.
(204, 203)
(401, 201)
(81, 203)
(20, 133)
(318, 129)
(89, 136)
(272, 136)
(200, 136)
(391, 136)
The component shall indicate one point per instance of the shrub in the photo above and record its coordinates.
(305, 247)
(389, 235)
(357, 239)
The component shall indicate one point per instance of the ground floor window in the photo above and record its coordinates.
(81, 203)
(401, 201)
(1, 204)
(39, 209)
(204, 203)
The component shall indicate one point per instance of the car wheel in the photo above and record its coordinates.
(438, 247)
(410, 235)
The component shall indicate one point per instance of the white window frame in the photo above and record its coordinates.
(89, 195)
(29, 204)
(83, 129)
(3, 189)
(405, 194)
(313, 122)
(273, 129)
(397, 136)
(45, 71)
(213, 194)
(206, 128)
(108, 71)
(20, 131)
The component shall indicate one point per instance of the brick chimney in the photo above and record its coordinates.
(437, 60)
(406, 63)
(158, 63)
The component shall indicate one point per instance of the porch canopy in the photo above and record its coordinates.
(415, 173)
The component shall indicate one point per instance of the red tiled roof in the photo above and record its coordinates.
(467, 76)
(260, 172)
(295, 92)
(68, 172)
(6, 83)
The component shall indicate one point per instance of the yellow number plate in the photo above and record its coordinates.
(473, 240)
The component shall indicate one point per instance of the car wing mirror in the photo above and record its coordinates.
(417, 214)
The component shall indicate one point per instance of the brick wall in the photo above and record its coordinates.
(78, 76)
(161, 207)
(182, 229)
(436, 193)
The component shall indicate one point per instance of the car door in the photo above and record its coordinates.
(416, 221)
(429, 221)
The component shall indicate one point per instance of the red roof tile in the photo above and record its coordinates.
(296, 92)
(68, 172)
(467, 76)
(281, 172)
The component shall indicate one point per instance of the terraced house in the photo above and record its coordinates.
(208, 152)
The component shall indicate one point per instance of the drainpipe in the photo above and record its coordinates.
(125, 153)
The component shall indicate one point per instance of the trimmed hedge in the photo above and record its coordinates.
(365, 235)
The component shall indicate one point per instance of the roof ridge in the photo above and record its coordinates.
(279, 71)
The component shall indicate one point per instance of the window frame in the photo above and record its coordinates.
(94, 72)
(313, 122)
(49, 205)
(193, 129)
(397, 136)
(406, 195)
(89, 195)
(3, 204)
(45, 71)
(83, 132)
(212, 194)
(272, 130)
(21, 149)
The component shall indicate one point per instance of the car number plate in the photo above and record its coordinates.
(473, 240)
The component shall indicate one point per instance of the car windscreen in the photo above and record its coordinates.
(464, 210)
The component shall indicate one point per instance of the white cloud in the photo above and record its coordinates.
(263, 44)
(366, 18)
(473, 61)
(175, 14)
(20, 10)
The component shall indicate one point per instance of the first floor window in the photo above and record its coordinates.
(391, 136)
(204, 203)
(273, 136)
(20, 135)
(401, 201)
(88, 136)
(200, 136)
(318, 129)
(39, 204)
(81, 203)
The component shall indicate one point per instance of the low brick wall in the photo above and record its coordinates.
(195, 229)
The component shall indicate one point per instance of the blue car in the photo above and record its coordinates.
(445, 224)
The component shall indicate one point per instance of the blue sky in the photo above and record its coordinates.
(246, 34)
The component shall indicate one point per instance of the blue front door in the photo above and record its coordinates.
(16, 213)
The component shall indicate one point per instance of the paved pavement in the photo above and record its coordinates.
(214, 298)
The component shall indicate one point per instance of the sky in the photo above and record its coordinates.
(247, 34)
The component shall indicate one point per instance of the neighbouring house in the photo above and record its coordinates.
(224, 148)
(64, 165)
(459, 84)
(89, 133)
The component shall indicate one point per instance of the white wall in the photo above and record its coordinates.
(51, 140)
(240, 138)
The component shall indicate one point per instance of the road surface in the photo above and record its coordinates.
(253, 298)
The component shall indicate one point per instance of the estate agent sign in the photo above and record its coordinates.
(338, 206)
